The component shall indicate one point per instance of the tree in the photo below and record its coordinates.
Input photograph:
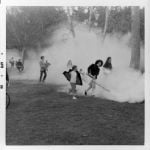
(28, 26)
(107, 12)
(70, 20)
(90, 17)
(135, 31)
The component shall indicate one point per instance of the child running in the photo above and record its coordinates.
(93, 72)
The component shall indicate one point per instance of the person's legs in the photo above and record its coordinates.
(70, 90)
(45, 75)
(90, 87)
(93, 87)
(41, 75)
(73, 89)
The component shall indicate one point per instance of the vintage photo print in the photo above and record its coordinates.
(75, 75)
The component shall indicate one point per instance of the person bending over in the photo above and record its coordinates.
(93, 72)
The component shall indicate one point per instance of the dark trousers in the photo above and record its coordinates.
(43, 75)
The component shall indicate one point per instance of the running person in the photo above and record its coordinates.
(74, 77)
(43, 73)
(93, 72)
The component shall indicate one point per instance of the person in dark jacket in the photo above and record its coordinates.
(93, 72)
(74, 77)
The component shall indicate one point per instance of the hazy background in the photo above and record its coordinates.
(59, 44)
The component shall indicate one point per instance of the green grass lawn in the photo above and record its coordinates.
(39, 115)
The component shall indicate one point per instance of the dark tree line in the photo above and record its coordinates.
(119, 19)
(28, 27)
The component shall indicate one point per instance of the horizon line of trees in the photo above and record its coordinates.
(28, 27)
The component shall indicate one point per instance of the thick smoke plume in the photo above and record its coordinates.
(124, 83)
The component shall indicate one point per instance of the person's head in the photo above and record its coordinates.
(108, 60)
(74, 68)
(99, 63)
(42, 57)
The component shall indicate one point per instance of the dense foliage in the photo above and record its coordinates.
(119, 18)
(27, 26)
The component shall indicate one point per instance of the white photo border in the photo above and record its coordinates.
(143, 3)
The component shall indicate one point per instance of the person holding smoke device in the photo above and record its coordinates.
(93, 72)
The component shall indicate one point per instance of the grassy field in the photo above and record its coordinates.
(38, 115)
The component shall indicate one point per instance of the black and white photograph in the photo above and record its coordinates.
(75, 75)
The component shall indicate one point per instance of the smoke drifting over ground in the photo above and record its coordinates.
(125, 84)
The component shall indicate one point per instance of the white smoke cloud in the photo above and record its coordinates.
(125, 84)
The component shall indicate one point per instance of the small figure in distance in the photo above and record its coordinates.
(107, 66)
(19, 65)
(12, 62)
(43, 73)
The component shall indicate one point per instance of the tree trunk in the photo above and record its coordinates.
(22, 53)
(90, 18)
(142, 60)
(135, 38)
(107, 12)
(71, 23)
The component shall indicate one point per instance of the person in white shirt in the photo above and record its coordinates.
(73, 81)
